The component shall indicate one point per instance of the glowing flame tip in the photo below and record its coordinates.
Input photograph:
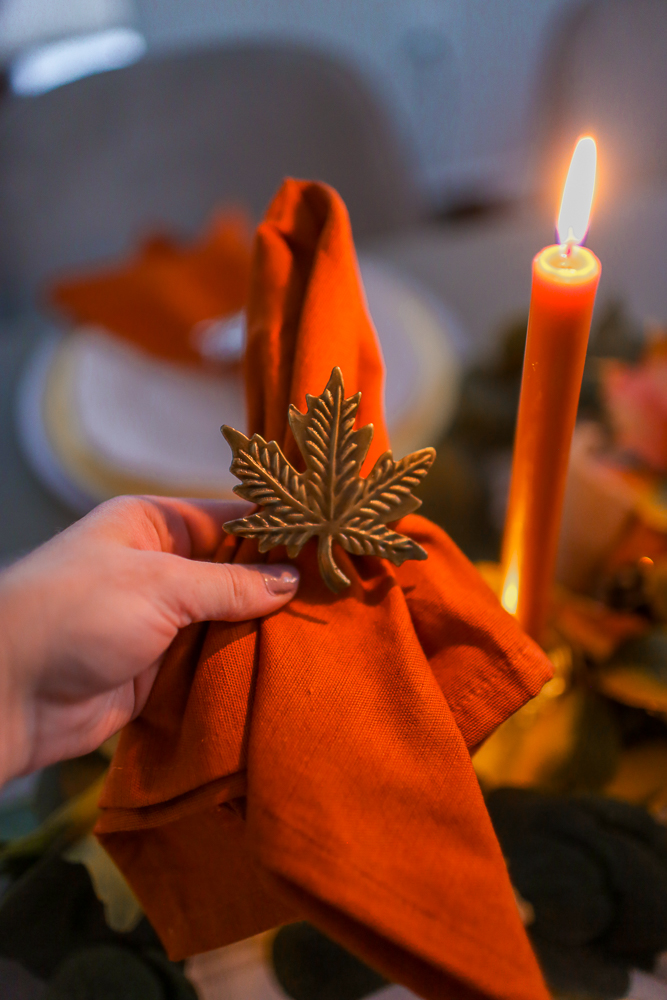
(575, 207)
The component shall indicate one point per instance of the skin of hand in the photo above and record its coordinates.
(86, 619)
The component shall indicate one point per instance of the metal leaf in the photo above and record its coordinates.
(379, 540)
(329, 499)
(388, 492)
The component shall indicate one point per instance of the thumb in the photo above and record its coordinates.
(204, 591)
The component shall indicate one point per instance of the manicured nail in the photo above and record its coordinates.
(280, 579)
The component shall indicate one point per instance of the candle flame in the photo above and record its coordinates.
(510, 597)
(575, 208)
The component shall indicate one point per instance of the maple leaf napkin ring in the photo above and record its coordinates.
(330, 499)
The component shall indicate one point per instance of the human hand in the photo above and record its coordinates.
(86, 619)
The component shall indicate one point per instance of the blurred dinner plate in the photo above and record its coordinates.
(98, 417)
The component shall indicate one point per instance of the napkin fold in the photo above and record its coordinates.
(315, 764)
(159, 298)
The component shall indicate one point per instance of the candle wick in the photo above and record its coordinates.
(570, 242)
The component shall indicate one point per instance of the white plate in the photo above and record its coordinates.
(97, 417)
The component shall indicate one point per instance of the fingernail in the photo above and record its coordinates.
(280, 579)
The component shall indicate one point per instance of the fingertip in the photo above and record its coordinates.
(256, 590)
(231, 591)
(280, 580)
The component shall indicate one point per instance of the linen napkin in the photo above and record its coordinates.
(315, 764)
(158, 298)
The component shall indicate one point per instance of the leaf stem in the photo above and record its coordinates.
(334, 578)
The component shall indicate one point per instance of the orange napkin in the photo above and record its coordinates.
(156, 299)
(315, 764)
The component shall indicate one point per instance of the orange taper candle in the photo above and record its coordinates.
(565, 280)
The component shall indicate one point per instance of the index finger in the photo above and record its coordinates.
(193, 527)
(181, 525)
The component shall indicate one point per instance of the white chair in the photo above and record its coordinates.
(89, 167)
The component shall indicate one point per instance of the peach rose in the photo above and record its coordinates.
(635, 397)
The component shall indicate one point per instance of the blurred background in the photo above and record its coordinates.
(459, 81)
(140, 143)
(447, 128)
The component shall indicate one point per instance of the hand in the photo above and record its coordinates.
(86, 618)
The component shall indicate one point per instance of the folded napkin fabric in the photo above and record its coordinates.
(315, 764)
(158, 299)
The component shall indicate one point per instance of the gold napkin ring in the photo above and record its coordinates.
(329, 499)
